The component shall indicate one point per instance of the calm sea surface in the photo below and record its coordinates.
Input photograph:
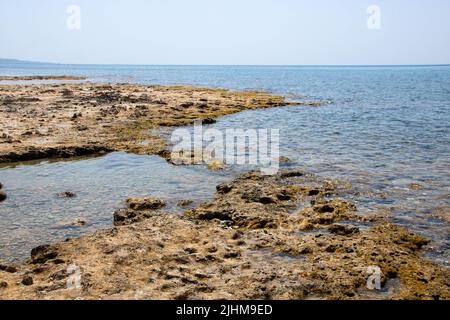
(386, 130)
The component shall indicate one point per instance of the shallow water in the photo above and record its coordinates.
(34, 214)
(386, 132)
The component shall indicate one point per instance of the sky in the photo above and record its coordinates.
(249, 32)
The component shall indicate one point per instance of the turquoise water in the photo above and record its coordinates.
(385, 129)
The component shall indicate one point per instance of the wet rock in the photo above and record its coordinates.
(66, 194)
(415, 186)
(129, 216)
(59, 275)
(291, 173)
(236, 235)
(2, 196)
(313, 192)
(231, 255)
(208, 121)
(34, 153)
(224, 188)
(9, 269)
(216, 165)
(306, 250)
(186, 105)
(184, 203)
(331, 248)
(267, 200)
(283, 159)
(78, 222)
(43, 253)
(325, 208)
(122, 216)
(66, 92)
(58, 261)
(284, 197)
(27, 280)
(147, 203)
(343, 230)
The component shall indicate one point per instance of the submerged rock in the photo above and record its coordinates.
(216, 165)
(78, 222)
(66, 194)
(184, 203)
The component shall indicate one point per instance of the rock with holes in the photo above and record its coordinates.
(147, 203)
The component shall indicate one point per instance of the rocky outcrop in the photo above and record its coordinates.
(76, 119)
(241, 245)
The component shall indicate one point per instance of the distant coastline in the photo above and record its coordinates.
(18, 61)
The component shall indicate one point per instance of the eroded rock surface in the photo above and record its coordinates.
(75, 119)
(249, 242)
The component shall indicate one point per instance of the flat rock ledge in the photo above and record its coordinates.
(288, 236)
(64, 120)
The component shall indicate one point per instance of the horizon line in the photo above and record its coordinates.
(232, 65)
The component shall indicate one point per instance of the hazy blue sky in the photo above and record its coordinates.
(227, 32)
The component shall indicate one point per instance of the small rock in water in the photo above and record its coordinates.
(78, 222)
(415, 186)
(66, 194)
(216, 165)
(283, 159)
(2, 196)
(208, 121)
(184, 203)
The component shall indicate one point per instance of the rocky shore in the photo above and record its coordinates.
(288, 236)
(64, 120)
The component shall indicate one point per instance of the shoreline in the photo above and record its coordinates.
(288, 236)
(65, 120)
(32, 78)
